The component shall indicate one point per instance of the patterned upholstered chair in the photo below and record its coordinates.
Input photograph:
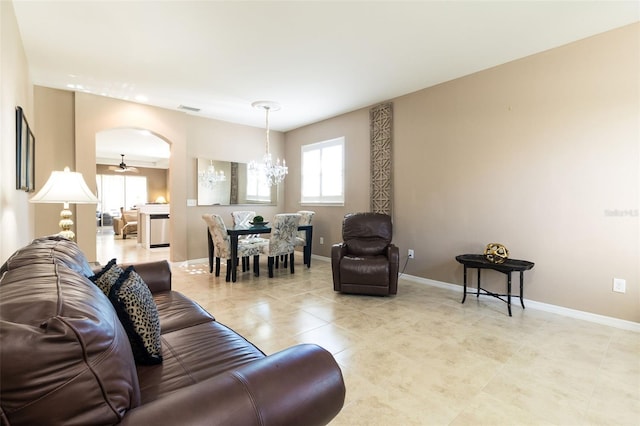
(306, 216)
(129, 222)
(244, 218)
(220, 246)
(282, 240)
(366, 262)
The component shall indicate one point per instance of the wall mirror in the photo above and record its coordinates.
(226, 183)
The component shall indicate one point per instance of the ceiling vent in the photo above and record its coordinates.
(188, 108)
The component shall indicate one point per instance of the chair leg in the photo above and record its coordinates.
(256, 265)
(270, 261)
(284, 261)
(228, 277)
(291, 261)
(245, 260)
(217, 266)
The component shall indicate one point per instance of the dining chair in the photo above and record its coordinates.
(244, 218)
(282, 239)
(222, 245)
(306, 216)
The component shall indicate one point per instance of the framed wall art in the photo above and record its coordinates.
(25, 153)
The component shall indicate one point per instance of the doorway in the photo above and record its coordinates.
(132, 170)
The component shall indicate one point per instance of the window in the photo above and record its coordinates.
(257, 189)
(116, 191)
(323, 172)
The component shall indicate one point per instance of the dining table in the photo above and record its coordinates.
(236, 231)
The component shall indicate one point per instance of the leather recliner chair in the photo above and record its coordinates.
(366, 262)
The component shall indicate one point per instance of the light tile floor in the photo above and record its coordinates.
(421, 357)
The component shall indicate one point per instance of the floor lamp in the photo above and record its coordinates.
(65, 187)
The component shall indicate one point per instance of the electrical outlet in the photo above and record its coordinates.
(411, 254)
(619, 285)
(321, 240)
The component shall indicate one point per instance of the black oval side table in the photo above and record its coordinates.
(479, 262)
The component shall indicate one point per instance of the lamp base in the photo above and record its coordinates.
(66, 224)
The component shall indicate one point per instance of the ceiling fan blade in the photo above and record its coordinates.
(122, 167)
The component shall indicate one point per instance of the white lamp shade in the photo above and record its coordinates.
(65, 187)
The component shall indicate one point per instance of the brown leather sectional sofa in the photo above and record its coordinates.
(66, 359)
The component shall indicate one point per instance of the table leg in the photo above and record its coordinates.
(509, 292)
(478, 291)
(307, 247)
(234, 255)
(210, 246)
(464, 295)
(521, 288)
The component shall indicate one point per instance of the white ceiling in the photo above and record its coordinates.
(317, 59)
(141, 148)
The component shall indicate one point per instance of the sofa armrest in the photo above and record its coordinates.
(338, 251)
(393, 253)
(301, 385)
(157, 275)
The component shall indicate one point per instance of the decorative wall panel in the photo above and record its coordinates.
(234, 183)
(381, 124)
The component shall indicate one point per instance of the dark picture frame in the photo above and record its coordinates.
(25, 153)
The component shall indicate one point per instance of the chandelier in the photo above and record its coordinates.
(210, 177)
(272, 173)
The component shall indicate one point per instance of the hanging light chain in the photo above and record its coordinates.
(267, 108)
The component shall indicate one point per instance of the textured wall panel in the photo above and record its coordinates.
(381, 122)
(234, 183)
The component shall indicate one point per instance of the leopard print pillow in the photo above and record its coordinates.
(138, 314)
(107, 277)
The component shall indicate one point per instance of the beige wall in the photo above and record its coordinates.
(327, 222)
(224, 141)
(534, 154)
(540, 154)
(16, 214)
(55, 142)
(189, 136)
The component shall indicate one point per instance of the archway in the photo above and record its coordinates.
(139, 178)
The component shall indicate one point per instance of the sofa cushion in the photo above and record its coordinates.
(51, 249)
(107, 276)
(177, 311)
(194, 354)
(139, 316)
(370, 270)
(367, 247)
(60, 343)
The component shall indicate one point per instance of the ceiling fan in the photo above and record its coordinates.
(122, 167)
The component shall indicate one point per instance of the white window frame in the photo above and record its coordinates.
(257, 189)
(336, 200)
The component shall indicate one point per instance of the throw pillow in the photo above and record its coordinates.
(107, 277)
(138, 314)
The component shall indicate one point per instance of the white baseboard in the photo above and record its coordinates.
(560, 310)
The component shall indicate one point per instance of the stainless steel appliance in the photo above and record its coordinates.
(159, 230)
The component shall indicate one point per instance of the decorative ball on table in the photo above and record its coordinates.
(258, 221)
(496, 253)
